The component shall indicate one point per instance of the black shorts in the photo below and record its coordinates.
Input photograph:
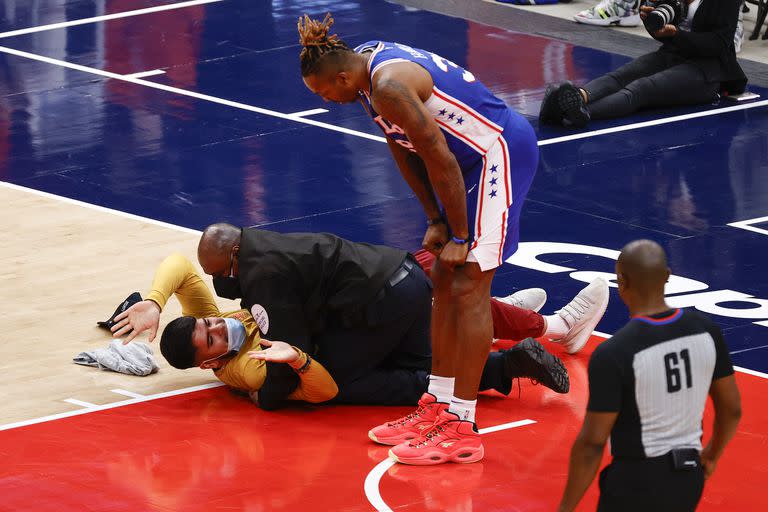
(643, 485)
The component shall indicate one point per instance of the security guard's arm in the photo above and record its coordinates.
(586, 454)
(175, 275)
(315, 385)
(727, 402)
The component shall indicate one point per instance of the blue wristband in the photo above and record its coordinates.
(460, 241)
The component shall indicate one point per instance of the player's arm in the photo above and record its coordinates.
(727, 402)
(175, 275)
(415, 174)
(586, 454)
(397, 96)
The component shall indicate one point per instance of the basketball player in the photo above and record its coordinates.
(470, 161)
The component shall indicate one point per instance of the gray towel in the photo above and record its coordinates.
(134, 358)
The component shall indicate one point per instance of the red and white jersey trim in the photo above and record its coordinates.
(462, 121)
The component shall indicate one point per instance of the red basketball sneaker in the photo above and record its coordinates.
(411, 426)
(449, 440)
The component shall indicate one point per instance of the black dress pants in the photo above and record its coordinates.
(649, 485)
(658, 79)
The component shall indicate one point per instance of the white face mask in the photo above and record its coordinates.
(235, 335)
(235, 338)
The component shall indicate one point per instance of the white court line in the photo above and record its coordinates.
(371, 485)
(127, 393)
(505, 426)
(310, 112)
(145, 74)
(300, 119)
(655, 122)
(99, 208)
(73, 401)
(105, 17)
(751, 372)
(747, 225)
(196, 95)
(94, 408)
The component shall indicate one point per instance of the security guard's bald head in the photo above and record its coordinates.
(218, 245)
(642, 272)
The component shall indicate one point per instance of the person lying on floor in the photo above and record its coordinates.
(230, 344)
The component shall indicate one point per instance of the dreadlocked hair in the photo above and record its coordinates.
(313, 36)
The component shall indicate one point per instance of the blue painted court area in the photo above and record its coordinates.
(192, 161)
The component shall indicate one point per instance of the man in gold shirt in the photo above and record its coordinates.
(229, 343)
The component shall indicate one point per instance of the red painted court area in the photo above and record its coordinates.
(213, 450)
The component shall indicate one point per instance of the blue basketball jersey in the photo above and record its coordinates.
(469, 115)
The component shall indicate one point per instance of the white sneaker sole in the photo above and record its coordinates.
(615, 21)
(580, 337)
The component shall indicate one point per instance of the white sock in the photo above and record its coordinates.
(464, 409)
(556, 327)
(441, 388)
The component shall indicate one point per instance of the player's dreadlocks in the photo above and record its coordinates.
(313, 36)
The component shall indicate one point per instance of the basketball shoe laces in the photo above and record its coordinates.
(432, 432)
(576, 309)
(409, 417)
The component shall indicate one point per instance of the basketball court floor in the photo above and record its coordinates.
(126, 126)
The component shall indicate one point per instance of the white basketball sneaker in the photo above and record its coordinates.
(611, 12)
(532, 299)
(582, 314)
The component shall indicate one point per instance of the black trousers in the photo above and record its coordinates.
(649, 485)
(387, 357)
(658, 79)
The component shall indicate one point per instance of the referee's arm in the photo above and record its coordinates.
(586, 454)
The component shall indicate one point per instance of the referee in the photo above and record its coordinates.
(647, 388)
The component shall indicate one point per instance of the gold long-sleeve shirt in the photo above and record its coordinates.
(177, 276)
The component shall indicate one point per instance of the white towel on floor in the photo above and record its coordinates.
(134, 358)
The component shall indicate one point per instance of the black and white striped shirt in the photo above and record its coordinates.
(656, 373)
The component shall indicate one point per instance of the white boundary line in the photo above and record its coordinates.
(371, 485)
(298, 117)
(654, 122)
(747, 225)
(505, 426)
(191, 94)
(145, 74)
(127, 393)
(751, 372)
(73, 401)
(310, 112)
(99, 208)
(93, 408)
(105, 17)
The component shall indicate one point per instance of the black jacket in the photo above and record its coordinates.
(709, 44)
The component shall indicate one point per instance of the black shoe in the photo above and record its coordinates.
(529, 359)
(128, 302)
(572, 105)
(549, 112)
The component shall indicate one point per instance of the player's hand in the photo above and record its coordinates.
(276, 352)
(644, 10)
(454, 255)
(435, 238)
(140, 317)
(708, 461)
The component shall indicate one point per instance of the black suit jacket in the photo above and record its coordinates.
(709, 44)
